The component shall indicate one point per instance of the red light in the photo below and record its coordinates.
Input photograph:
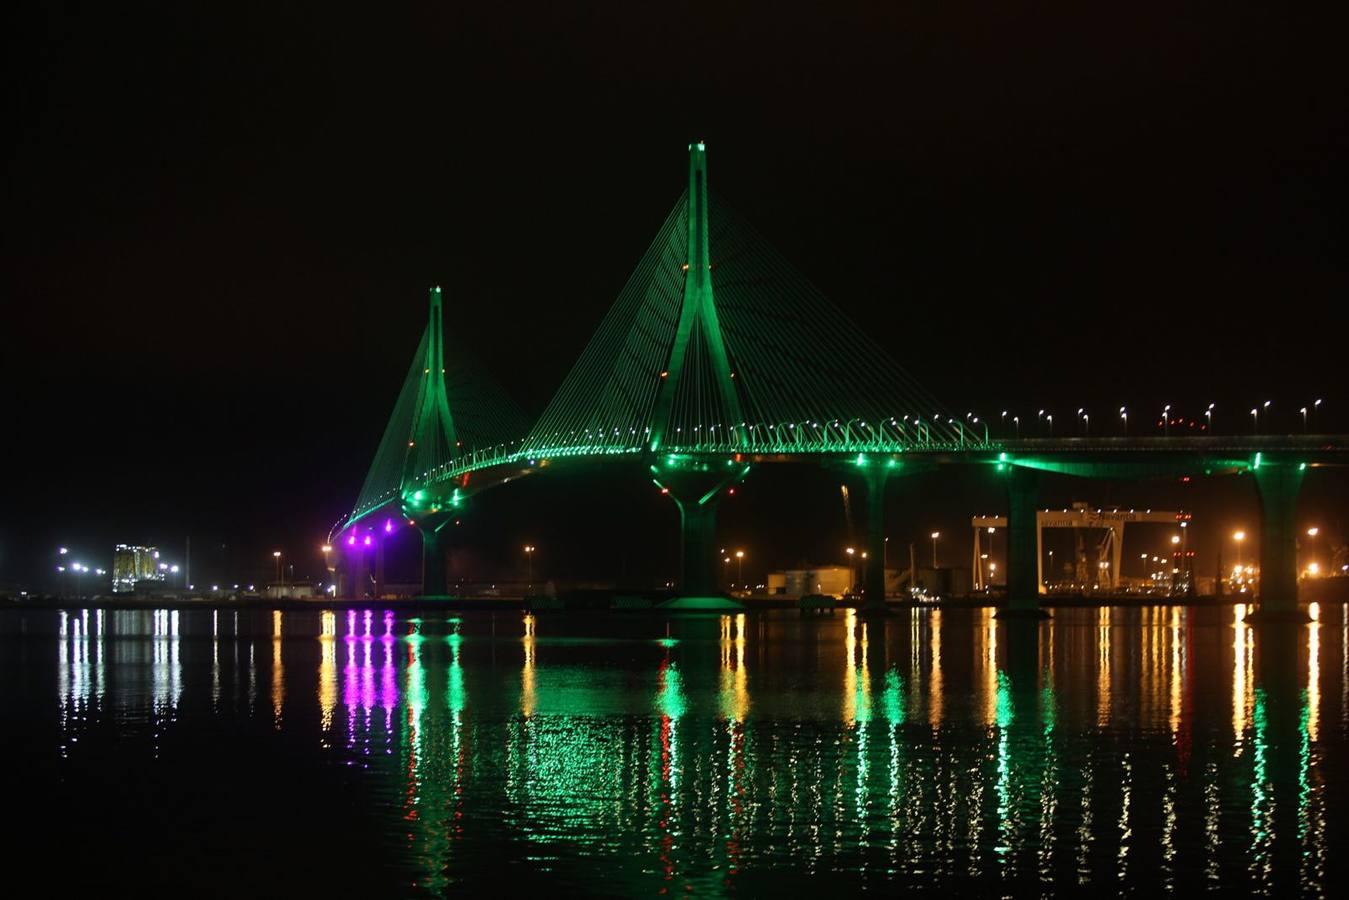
(731, 491)
(665, 490)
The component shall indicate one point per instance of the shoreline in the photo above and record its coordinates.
(560, 605)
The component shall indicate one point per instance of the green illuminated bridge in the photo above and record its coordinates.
(718, 357)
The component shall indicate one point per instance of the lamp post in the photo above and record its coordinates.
(1303, 410)
(1208, 415)
(276, 555)
(935, 535)
(529, 563)
(1124, 416)
(1238, 536)
(1166, 420)
(740, 567)
(327, 551)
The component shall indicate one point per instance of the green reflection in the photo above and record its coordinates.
(892, 697)
(670, 699)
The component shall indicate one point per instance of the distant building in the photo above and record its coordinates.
(132, 564)
(833, 580)
(289, 591)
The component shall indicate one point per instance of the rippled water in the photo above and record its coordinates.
(1116, 750)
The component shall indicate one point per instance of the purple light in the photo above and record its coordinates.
(351, 541)
(367, 540)
(388, 526)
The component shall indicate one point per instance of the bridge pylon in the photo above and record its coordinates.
(1279, 482)
(696, 487)
(698, 335)
(1023, 544)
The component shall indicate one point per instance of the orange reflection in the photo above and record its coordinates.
(278, 670)
(327, 693)
(1243, 675)
(527, 700)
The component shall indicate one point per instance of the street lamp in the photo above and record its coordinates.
(276, 554)
(1166, 419)
(935, 535)
(1124, 414)
(1208, 415)
(1050, 420)
(1016, 421)
(740, 566)
(529, 562)
(1238, 536)
(1303, 410)
(1255, 420)
(1315, 406)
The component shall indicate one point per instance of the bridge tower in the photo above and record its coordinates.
(425, 445)
(696, 486)
(432, 440)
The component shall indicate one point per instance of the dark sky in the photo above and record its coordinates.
(220, 220)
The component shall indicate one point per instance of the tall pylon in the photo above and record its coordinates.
(699, 330)
(432, 435)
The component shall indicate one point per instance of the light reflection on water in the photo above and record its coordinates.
(1162, 747)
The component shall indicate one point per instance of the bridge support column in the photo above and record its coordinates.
(435, 582)
(1023, 544)
(873, 584)
(696, 489)
(697, 540)
(1279, 484)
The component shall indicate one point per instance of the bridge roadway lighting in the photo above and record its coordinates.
(935, 535)
(529, 562)
(1238, 536)
(1166, 420)
(1315, 406)
(1050, 420)
(1255, 420)
(276, 554)
(1124, 414)
(1208, 414)
(1303, 410)
(740, 566)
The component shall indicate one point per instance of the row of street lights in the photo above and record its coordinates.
(1044, 420)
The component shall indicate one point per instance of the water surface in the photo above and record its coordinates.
(1116, 750)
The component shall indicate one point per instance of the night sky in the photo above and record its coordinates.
(220, 226)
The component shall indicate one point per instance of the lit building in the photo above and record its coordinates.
(132, 564)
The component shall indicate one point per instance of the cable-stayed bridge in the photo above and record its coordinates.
(718, 356)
